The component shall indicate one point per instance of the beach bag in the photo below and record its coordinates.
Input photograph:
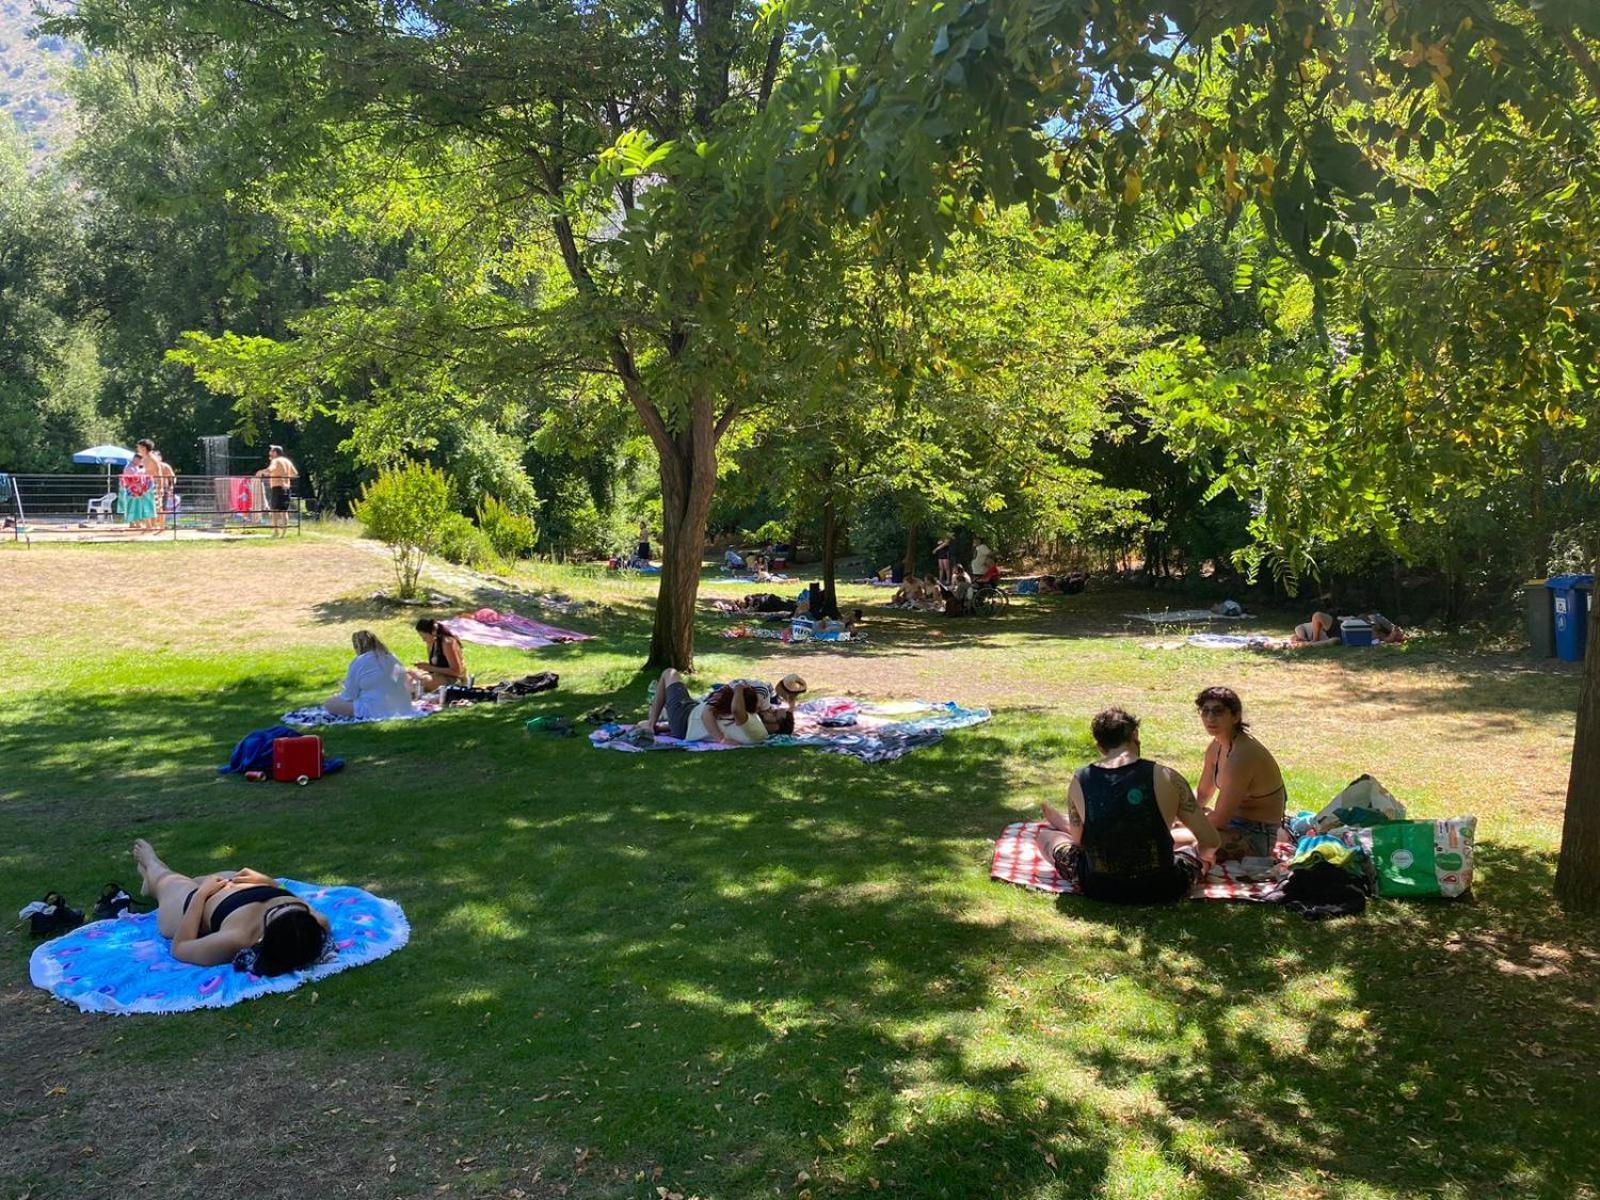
(1364, 801)
(1424, 858)
(296, 758)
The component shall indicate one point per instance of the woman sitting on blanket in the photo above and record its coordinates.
(1239, 779)
(1117, 839)
(445, 664)
(732, 714)
(376, 685)
(214, 918)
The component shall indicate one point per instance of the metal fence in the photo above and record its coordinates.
(91, 503)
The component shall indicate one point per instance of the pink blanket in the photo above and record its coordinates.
(489, 628)
(1017, 860)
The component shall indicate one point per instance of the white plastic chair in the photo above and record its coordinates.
(103, 508)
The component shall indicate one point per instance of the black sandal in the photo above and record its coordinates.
(114, 901)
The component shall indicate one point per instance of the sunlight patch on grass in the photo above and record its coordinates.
(480, 919)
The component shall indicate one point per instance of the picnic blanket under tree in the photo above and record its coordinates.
(124, 966)
(486, 627)
(833, 725)
(1017, 860)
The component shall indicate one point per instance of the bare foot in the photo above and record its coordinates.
(145, 855)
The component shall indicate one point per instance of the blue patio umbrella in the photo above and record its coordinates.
(106, 456)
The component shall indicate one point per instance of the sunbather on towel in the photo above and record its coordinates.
(376, 685)
(1239, 779)
(1385, 630)
(445, 664)
(1319, 631)
(730, 714)
(1117, 838)
(784, 694)
(212, 918)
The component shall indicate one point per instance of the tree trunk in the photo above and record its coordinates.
(911, 549)
(830, 552)
(688, 481)
(1578, 869)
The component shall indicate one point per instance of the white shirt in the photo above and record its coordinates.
(376, 685)
(750, 733)
(982, 556)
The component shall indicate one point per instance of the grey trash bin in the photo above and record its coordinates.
(1540, 604)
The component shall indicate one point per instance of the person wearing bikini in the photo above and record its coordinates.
(1240, 783)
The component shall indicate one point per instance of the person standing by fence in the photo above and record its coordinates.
(280, 474)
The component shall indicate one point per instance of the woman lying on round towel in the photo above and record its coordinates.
(213, 918)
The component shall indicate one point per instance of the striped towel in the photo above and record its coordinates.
(1017, 860)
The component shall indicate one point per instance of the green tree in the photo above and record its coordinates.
(410, 510)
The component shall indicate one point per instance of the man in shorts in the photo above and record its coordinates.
(280, 474)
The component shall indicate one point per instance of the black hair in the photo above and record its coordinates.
(785, 721)
(1228, 698)
(291, 941)
(427, 625)
(1113, 727)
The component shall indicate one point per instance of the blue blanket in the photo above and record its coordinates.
(125, 966)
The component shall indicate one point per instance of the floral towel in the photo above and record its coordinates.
(125, 966)
(1017, 860)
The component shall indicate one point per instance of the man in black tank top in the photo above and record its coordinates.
(1116, 839)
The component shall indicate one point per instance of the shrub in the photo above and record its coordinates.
(407, 509)
(510, 533)
(463, 542)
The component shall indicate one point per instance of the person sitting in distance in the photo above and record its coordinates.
(1318, 631)
(1117, 840)
(376, 685)
(211, 919)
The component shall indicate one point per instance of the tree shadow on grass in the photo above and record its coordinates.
(1423, 1046)
(785, 961)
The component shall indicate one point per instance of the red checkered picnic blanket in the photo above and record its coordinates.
(1017, 860)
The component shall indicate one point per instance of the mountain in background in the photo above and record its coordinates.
(33, 73)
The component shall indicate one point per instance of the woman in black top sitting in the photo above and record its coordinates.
(445, 665)
(212, 918)
(1116, 840)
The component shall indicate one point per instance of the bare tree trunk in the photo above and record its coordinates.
(830, 552)
(911, 550)
(1578, 869)
(688, 481)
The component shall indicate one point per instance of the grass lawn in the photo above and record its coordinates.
(774, 973)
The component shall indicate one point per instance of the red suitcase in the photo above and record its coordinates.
(293, 757)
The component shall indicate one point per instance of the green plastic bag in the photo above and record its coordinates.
(1424, 858)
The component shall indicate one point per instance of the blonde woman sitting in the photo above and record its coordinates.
(376, 686)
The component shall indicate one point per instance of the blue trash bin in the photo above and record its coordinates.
(1571, 613)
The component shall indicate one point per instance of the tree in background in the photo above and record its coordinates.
(48, 371)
